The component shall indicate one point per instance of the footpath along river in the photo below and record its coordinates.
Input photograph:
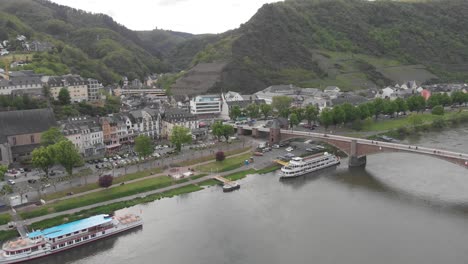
(403, 208)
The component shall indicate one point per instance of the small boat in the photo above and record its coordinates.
(230, 186)
(59, 238)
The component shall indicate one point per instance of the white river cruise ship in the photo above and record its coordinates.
(300, 166)
(59, 238)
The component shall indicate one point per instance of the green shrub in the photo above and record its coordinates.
(438, 110)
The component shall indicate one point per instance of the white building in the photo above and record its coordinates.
(206, 105)
(144, 122)
(93, 90)
(177, 117)
(85, 133)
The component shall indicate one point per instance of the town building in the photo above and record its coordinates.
(20, 133)
(86, 134)
(76, 85)
(93, 90)
(20, 81)
(114, 132)
(144, 122)
(207, 105)
(177, 117)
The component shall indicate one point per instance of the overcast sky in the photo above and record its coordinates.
(192, 16)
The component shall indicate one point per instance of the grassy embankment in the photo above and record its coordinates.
(225, 165)
(402, 128)
(212, 158)
(106, 209)
(94, 185)
(5, 218)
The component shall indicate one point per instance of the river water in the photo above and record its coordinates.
(403, 208)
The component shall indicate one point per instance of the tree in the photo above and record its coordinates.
(3, 170)
(311, 113)
(378, 107)
(326, 118)
(67, 155)
(180, 135)
(143, 146)
(293, 120)
(228, 131)
(217, 129)
(363, 111)
(253, 111)
(458, 97)
(351, 112)
(266, 110)
(415, 120)
(51, 136)
(235, 112)
(438, 110)
(416, 103)
(401, 106)
(338, 115)
(220, 156)
(105, 181)
(64, 96)
(282, 104)
(390, 107)
(43, 158)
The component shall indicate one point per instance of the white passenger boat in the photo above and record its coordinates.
(300, 166)
(59, 238)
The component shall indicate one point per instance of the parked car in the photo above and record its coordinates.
(258, 153)
(289, 149)
(11, 182)
(276, 146)
(32, 181)
(309, 150)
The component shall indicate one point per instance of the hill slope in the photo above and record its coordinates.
(93, 45)
(352, 43)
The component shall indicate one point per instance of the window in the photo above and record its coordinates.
(14, 141)
(93, 235)
(85, 238)
(62, 245)
(70, 242)
(77, 240)
(103, 232)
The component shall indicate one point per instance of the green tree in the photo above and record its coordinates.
(64, 96)
(44, 158)
(235, 112)
(416, 103)
(311, 113)
(67, 155)
(401, 106)
(143, 146)
(351, 113)
(282, 105)
(180, 135)
(458, 97)
(253, 111)
(415, 119)
(266, 110)
(228, 131)
(51, 136)
(299, 112)
(326, 118)
(3, 170)
(363, 111)
(217, 129)
(293, 120)
(378, 107)
(445, 99)
(390, 107)
(338, 115)
(438, 110)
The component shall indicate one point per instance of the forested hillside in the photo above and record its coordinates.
(350, 43)
(92, 45)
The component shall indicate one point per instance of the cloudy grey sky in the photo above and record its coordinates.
(193, 16)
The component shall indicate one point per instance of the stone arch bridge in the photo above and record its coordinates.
(356, 148)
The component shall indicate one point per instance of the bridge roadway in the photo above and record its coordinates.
(439, 153)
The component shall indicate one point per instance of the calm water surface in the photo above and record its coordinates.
(402, 208)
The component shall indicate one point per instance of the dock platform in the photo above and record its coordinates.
(281, 162)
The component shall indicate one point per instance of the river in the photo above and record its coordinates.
(403, 208)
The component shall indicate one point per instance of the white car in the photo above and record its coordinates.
(289, 149)
(12, 182)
